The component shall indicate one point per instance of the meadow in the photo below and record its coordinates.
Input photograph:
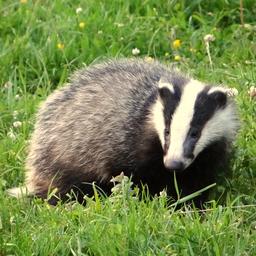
(42, 42)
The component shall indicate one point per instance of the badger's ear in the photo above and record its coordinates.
(165, 88)
(230, 92)
(220, 94)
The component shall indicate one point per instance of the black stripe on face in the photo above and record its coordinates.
(170, 101)
(205, 107)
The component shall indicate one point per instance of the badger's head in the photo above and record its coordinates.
(191, 117)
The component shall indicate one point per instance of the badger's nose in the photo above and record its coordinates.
(175, 165)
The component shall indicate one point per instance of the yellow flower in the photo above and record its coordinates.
(177, 58)
(23, 1)
(60, 46)
(176, 43)
(81, 25)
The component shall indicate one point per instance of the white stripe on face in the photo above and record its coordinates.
(157, 119)
(180, 123)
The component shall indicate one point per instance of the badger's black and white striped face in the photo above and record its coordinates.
(189, 119)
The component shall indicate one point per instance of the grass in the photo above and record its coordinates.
(42, 43)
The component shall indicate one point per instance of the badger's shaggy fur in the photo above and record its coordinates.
(143, 119)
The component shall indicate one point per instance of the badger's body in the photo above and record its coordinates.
(143, 119)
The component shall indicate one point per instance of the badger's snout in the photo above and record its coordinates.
(174, 165)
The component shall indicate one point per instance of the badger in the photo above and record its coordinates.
(147, 120)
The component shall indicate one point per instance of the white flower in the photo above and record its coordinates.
(135, 51)
(252, 92)
(8, 85)
(209, 38)
(78, 10)
(11, 135)
(17, 124)
(15, 114)
(17, 97)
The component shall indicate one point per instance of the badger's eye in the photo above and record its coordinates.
(166, 132)
(194, 134)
